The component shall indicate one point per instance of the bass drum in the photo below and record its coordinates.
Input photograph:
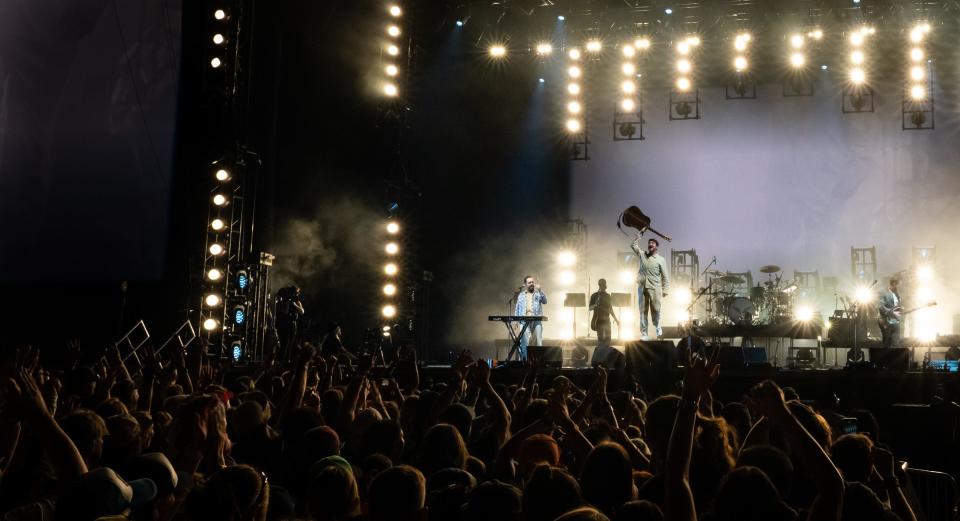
(740, 310)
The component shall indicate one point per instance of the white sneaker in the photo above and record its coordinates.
(644, 337)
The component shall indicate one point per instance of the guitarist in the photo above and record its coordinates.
(891, 309)
(602, 307)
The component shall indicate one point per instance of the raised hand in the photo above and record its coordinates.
(883, 461)
(699, 375)
(767, 398)
(464, 360)
(24, 397)
(481, 372)
(366, 362)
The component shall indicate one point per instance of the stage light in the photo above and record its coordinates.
(916, 54)
(628, 69)
(217, 224)
(561, 17)
(395, 10)
(668, 11)
(856, 38)
(740, 63)
(693, 40)
(210, 324)
(219, 199)
(683, 296)
(498, 51)
(796, 41)
(218, 39)
(926, 333)
(389, 290)
(804, 313)
(243, 279)
(390, 90)
(385, 329)
(222, 175)
(393, 50)
(574, 107)
(212, 300)
(856, 57)
(393, 228)
(925, 27)
(215, 62)
(925, 273)
(220, 14)
(683, 84)
(626, 334)
(739, 44)
(239, 315)
(574, 54)
(642, 43)
(573, 125)
(544, 49)
(389, 311)
(682, 315)
(214, 274)
(390, 268)
(817, 34)
(594, 46)
(391, 248)
(857, 76)
(823, 67)
(856, 1)
(574, 71)
(567, 277)
(797, 59)
(627, 277)
(626, 316)
(237, 350)
(917, 73)
(924, 295)
(566, 333)
(917, 92)
(567, 258)
(916, 35)
(628, 105)
(629, 51)
(393, 30)
(863, 295)
(573, 88)
(683, 48)
(392, 70)
(541, 80)
(216, 249)
(628, 87)
(459, 23)
(683, 66)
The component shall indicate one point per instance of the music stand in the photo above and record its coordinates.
(575, 300)
(620, 300)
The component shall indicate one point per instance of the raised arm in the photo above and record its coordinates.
(884, 462)
(498, 408)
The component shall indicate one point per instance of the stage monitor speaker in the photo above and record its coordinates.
(653, 364)
(549, 356)
(739, 357)
(893, 358)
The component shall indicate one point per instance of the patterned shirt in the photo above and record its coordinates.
(539, 299)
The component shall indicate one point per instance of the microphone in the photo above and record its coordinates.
(874, 283)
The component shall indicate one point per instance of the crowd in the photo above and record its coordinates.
(316, 439)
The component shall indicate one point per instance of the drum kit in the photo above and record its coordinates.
(728, 300)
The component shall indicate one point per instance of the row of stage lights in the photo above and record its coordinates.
(392, 51)
(215, 276)
(391, 271)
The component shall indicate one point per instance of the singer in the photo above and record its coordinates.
(530, 303)
(653, 284)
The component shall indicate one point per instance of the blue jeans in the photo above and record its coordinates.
(532, 336)
(649, 299)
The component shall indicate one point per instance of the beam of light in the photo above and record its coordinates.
(858, 76)
(627, 277)
(566, 258)
(544, 49)
(594, 46)
(683, 296)
(925, 273)
(567, 277)
(498, 51)
(863, 295)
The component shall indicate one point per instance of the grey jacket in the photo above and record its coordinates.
(653, 273)
(887, 302)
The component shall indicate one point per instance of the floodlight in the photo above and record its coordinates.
(628, 105)
(210, 324)
(212, 300)
(391, 248)
(389, 290)
(393, 228)
(390, 268)
(683, 84)
(566, 258)
(216, 249)
(389, 311)
(573, 125)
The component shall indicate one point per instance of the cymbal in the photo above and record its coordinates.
(731, 279)
(714, 273)
(770, 268)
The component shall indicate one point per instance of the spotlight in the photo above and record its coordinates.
(823, 67)
(222, 175)
(683, 84)
(683, 296)
(389, 290)
(216, 249)
(863, 295)
(693, 40)
(573, 125)
(917, 92)
(626, 334)
(627, 277)
(594, 46)
(390, 90)
(628, 69)
(210, 324)
(916, 73)
(856, 1)
(391, 248)
(856, 57)
(498, 51)
(574, 54)
(390, 268)
(574, 72)
(218, 39)
(214, 274)
(683, 48)
(817, 34)
(668, 11)
(395, 10)
(544, 49)
(393, 30)
(804, 313)
(626, 316)
(628, 105)
(916, 54)
(212, 300)
(916, 35)
(642, 43)
(683, 66)
(925, 273)
(215, 63)
(561, 17)
(392, 70)
(574, 107)
(924, 294)
(541, 80)
(926, 333)
(629, 87)
(220, 14)
(566, 258)
(629, 51)
(389, 311)
(796, 41)
(393, 50)
(682, 315)
(393, 228)
(239, 315)
(243, 279)
(739, 44)
(797, 59)
(573, 88)
(740, 63)
(567, 277)
(219, 199)
(217, 224)
(856, 38)
(237, 350)
(857, 76)
(459, 23)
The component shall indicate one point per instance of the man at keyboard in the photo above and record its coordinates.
(530, 303)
